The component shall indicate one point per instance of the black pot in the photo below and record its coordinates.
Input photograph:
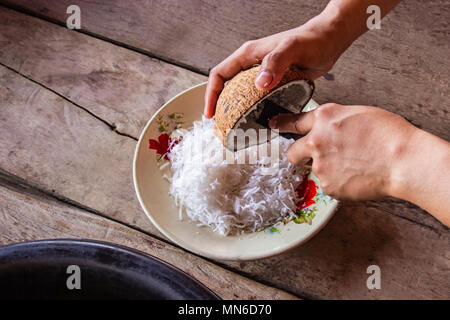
(100, 270)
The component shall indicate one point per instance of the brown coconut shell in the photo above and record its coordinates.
(240, 96)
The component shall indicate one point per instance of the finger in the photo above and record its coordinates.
(246, 56)
(213, 89)
(274, 65)
(299, 153)
(295, 123)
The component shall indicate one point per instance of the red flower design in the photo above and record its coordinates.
(307, 190)
(163, 145)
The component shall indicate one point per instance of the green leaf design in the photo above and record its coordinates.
(305, 216)
(300, 220)
(273, 230)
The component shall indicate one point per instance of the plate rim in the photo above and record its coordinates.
(185, 245)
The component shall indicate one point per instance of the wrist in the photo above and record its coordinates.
(418, 161)
(403, 155)
(421, 174)
(332, 26)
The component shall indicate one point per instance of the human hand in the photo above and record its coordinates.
(356, 150)
(363, 153)
(314, 47)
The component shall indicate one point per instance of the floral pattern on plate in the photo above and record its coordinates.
(164, 143)
(308, 191)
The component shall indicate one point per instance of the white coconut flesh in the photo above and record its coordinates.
(289, 98)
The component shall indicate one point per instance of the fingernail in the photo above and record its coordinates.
(273, 123)
(263, 80)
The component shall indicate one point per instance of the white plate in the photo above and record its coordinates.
(152, 191)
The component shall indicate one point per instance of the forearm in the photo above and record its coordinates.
(347, 19)
(422, 174)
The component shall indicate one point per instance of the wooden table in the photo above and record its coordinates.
(72, 104)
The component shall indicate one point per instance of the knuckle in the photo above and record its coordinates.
(336, 124)
(327, 186)
(320, 113)
(290, 155)
(214, 72)
(328, 189)
(317, 167)
(331, 105)
(313, 142)
(248, 45)
(274, 57)
(325, 111)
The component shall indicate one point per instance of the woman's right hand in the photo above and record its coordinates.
(363, 153)
(314, 47)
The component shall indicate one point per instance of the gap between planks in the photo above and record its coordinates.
(114, 129)
(31, 13)
(299, 293)
(111, 126)
(27, 188)
(107, 124)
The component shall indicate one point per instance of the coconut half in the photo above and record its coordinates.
(242, 106)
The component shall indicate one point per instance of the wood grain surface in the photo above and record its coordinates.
(62, 149)
(194, 33)
(122, 87)
(71, 107)
(43, 217)
(113, 87)
(401, 67)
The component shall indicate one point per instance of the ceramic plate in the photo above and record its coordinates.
(152, 191)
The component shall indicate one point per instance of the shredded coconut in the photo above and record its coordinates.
(230, 198)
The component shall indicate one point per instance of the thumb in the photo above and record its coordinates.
(273, 67)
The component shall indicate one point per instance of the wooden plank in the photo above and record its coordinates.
(63, 149)
(120, 86)
(194, 33)
(53, 144)
(414, 261)
(399, 67)
(41, 217)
